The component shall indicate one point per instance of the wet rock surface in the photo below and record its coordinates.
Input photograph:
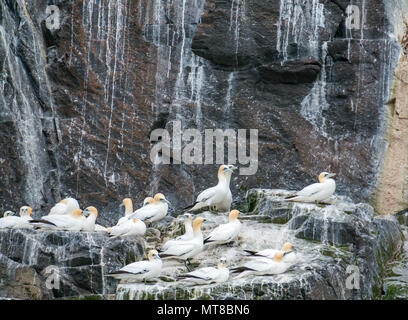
(328, 240)
(77, 262)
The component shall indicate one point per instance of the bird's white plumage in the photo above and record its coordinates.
(224, 233)
(188, 235)
(13, 222)
(128, 228)
(64, 207)
(264, 266)
(207, 275)
(316, 192)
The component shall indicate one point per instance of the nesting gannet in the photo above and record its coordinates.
(72, 222)
(186, 236)
(8, 213)
(219, 196)
(88, 224)
(264, 266)
(209, 274)
(21, 222)
(65, 206)
(184, 250)
(132, 227)
(142, 270)
(290, 256)
(153, 211)
(227, 232)
(316, 192)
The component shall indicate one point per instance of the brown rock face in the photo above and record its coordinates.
(78, 104)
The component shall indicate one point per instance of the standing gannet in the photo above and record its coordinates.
(316, 192)
(263, 266)
(209, 274)
(188, 226)
(65, 206)
(72, 222)
(153, 211)
(290, 256)
(132, 227)
(88, 224)
(21, 222)
(227, 232)
(142, 270)
(219, 196)
(184, 250)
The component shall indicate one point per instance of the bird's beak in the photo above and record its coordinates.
(121, 205)
(168, 202)
(86, 213)
(331, 175)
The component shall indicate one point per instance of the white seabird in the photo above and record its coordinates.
(219, 196)
(290, 256)
(65, 206)
(88, 224)
(227, 232)
(263, 266)
(316, 192)
(188, 235)
(184, 250)
(8, 213)
(142, 270)
(13, 222)
(132, 227)
(209, 274)
(129, 213)
(72, 222)
(153, 211)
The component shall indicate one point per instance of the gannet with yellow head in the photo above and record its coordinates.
(89, 223)
(225, 233)
(316, 192)
(189, 234)
(287, 249)
(131, 227)
(71, 222)
(141, 271)
(21, 222)
(184, 250)
(209, 274)
(220, 196)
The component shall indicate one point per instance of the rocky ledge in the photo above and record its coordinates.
(333, 242)
(61, 264)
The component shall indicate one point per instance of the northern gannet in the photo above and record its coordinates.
(290, 256)
(128, 204)
(186, 236)
(263, 266)
(142, 270)
(186, 249)
(227, 232)
(88, 224)
(209, 274)
(154, 211)
(21, 222)
(65, 206)
(72, 222)
(132, 227)
(316, 192)
(219, 196)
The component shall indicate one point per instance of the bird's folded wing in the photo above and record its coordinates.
(179, 249)
(310, 190)
(59, 208)
(208, 273)
(140, 267)
(207, 194)
(222, 232)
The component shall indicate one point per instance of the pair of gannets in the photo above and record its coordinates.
(130, 227)
(65, 206)
(316, 192)
(10, 221)
(218, 197)
(186, 249)
(154, 209)
(189, 234)
(74, 221)
(267, 262)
